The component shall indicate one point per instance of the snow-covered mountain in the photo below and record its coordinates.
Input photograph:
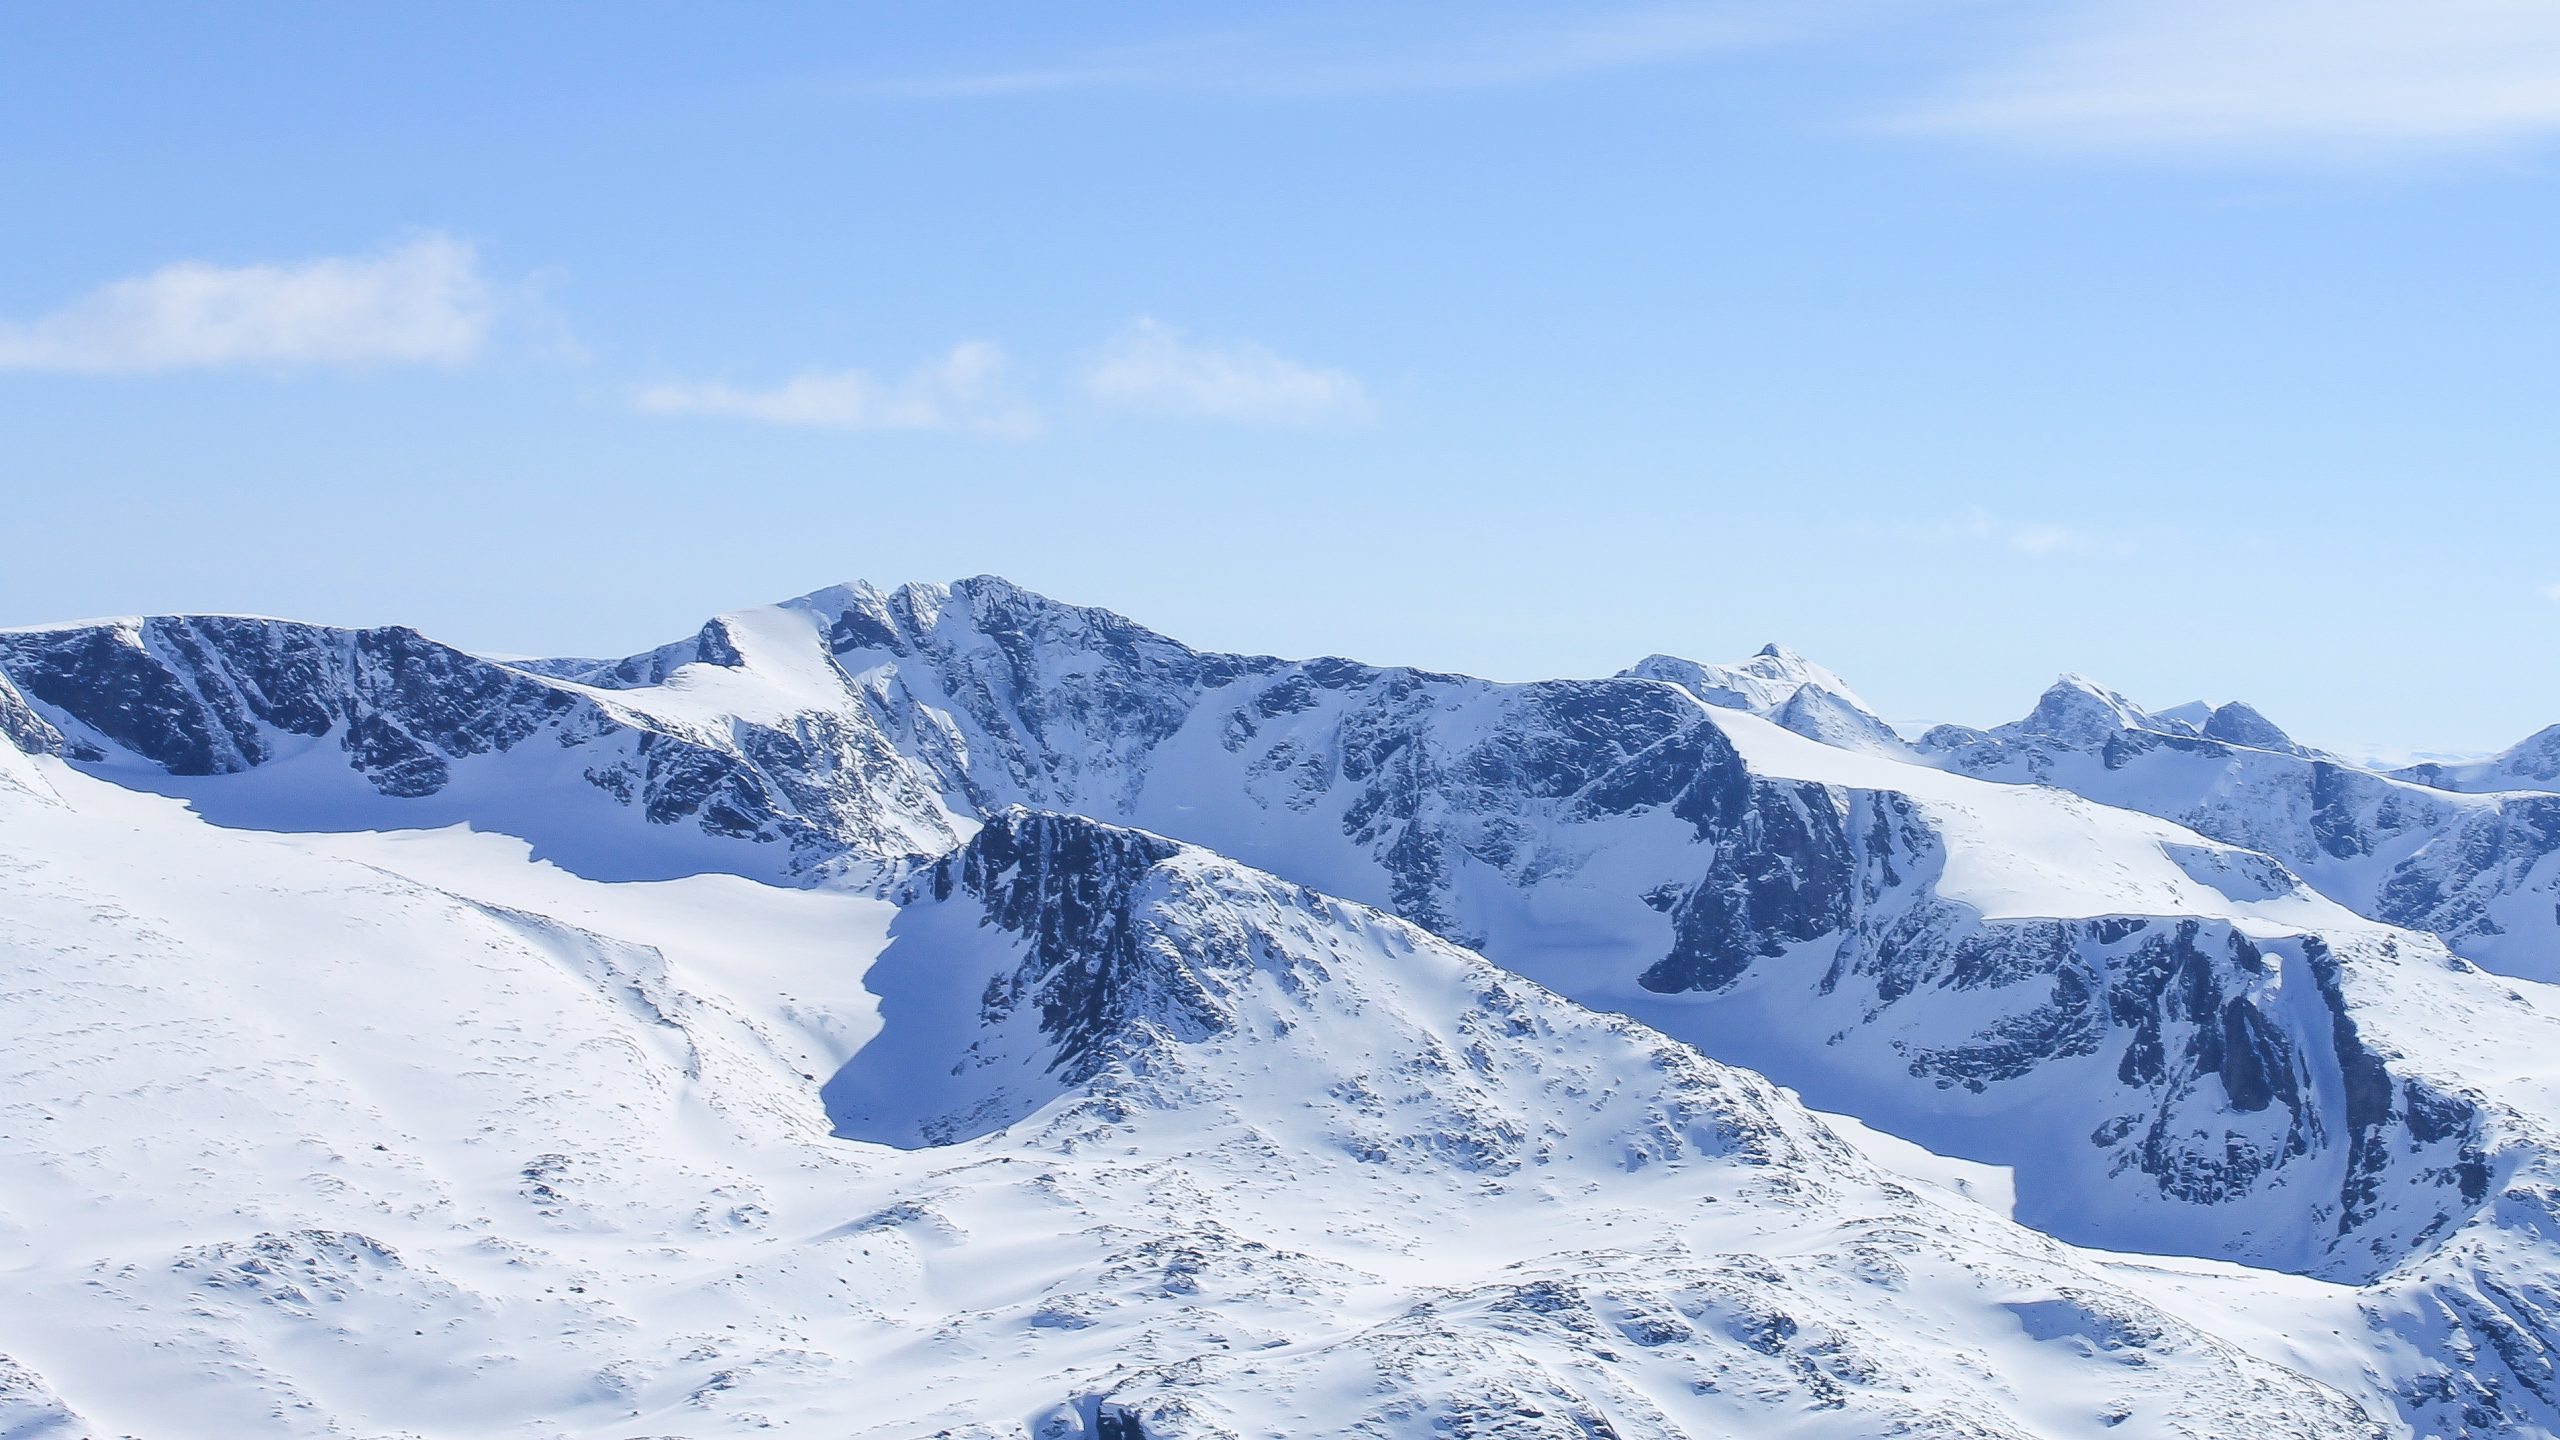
(2481, 872)
(1017, 923)
(488, 1149)
(2532, 763)
(1779, 685)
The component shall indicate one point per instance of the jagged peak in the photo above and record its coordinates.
(1780, 685)
(842, 595)
(1818, 713)
(1759, 684)
(2072, 682)
(992, 598)
(2238, 723)
(2188, 718)
(859, 614)
(2077, 709)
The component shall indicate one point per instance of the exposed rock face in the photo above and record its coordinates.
(2481, 872)
(214, 695)
(1467, 807)
(1131, 974)
(23, 727)
(944, 702)
(1323, 1174)
(2201, 1061)
(1109, 956)
(1072, 890)
(2188, 1057)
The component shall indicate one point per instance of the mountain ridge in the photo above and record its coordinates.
(2180, 1044)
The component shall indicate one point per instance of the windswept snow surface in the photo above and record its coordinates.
(1012, 1021)
(340, 1137)
(2532, 763)
(2028, 852)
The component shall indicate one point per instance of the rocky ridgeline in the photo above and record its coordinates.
(1439, 797)
(2215, 1082)
(208, 695)
(2477, 871)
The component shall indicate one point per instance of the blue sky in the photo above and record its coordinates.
(2207, 349)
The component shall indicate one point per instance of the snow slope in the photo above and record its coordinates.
(2171, 1036)
(2479, 871)
(2532, 763)
(311, 1144)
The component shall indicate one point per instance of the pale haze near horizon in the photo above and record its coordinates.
(2202, 350)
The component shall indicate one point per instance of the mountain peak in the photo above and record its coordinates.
(1759, 684)
(2078, 710)
(1779, 685)
(2532, 763)
(2241, 724)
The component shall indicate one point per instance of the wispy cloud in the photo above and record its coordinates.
(1384, 53)
(2023, 537)
(422, 302)
(963, 390)
(2551, 593)
(2346, 78)
(1152, 366)
(2041, 540)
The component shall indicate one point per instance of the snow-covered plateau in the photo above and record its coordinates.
(949, 1012)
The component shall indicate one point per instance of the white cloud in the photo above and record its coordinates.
(423, 302)
(1386, 50)
(2347, 78)
(1152, 366)
(963, 390)
(2551, 593)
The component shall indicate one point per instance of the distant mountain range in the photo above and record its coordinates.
(946, 1011)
